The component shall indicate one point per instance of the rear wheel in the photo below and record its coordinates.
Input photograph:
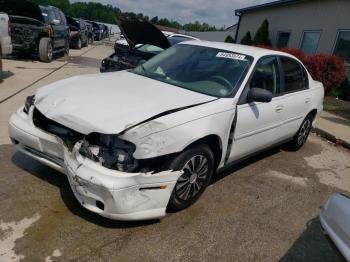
(45, 49)
(301, 136)
(198, 165)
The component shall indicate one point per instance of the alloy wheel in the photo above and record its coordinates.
(304, 132)
(192, 180)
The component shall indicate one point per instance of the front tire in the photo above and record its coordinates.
(198, 165)
(45, 49)
(301, 136)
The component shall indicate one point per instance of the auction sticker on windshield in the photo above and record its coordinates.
(231, 56)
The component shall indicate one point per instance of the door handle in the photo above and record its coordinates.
(279, 108)
(307, 100)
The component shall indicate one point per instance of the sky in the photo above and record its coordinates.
(214, 12)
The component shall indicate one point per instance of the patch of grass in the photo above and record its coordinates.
(328, 107)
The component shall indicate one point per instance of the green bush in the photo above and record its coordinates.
(262, 35)
(229, 39)
(344, 90)
(247, 39)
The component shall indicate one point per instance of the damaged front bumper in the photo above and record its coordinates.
(109, 193)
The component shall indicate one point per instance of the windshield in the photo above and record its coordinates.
(206, 70)
(178, 39)
(150, 49)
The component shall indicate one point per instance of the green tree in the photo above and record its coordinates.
(262, 35)
(247, 39)
(229, 39)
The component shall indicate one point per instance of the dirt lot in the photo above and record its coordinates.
(264, 209)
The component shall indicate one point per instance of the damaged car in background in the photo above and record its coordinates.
(335, 217)
(37, 30)
(139, 142)
(141, 42)
(79, 33)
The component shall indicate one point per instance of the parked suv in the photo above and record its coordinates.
(78, 33)
(36, 29)
(91, 34)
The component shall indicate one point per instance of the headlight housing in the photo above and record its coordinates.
(29, 102)
(110, 151)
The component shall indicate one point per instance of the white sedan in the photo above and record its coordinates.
(136, 143)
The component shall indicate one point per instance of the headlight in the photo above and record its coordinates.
(29, 102)
(110, 151)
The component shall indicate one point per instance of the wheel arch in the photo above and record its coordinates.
(313, 113)
(215, 144)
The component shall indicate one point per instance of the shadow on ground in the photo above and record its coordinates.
(5, 74)
(312, 246)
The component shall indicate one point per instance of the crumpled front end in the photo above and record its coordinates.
(118, 195)
(109, 192)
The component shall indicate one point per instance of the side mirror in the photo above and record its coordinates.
(259, 95)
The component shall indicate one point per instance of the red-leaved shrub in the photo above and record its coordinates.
(298, 53)
(328, 69)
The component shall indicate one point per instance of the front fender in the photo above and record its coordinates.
(157, 138)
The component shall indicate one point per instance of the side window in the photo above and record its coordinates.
(63, 19)
(58, 17)
(266, 75)
(295, 76)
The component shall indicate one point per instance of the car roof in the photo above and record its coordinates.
(253, 51)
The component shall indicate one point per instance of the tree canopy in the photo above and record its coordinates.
(110, 14)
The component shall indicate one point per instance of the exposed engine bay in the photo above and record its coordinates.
(124, 58)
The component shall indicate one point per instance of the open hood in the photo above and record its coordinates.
(22, 8)
(141, 32)
(112, 102)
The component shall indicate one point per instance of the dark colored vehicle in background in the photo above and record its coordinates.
(144, 41)
(37, 30)
(105, 31)
(91, 34)
(98, 31)
(78, 33)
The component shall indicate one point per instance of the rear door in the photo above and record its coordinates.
(259, 124)
(296, 94)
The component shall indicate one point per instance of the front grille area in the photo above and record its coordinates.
(68, 136)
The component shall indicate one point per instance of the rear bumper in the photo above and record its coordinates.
(334, 218)
(109, 193)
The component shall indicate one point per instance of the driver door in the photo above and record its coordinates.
(259, 124)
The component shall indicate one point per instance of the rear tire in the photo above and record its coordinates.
(45, 50)
(198, 165)
(301, 136)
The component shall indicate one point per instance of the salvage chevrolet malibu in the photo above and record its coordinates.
(136, 143)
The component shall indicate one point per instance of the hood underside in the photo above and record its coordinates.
(141, 32)
(112, 102)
